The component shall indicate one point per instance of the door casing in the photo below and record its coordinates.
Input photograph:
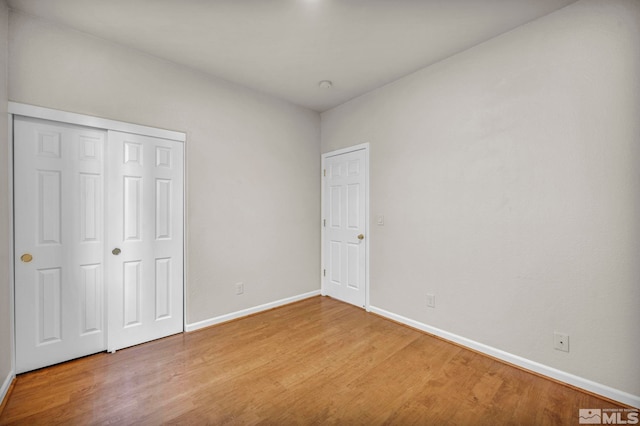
(359, 147)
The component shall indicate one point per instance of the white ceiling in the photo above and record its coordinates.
(285, 47)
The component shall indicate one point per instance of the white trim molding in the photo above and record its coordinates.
(91, 121)
(544, 370)
(12, 329)
(249, 311)
(6, 385)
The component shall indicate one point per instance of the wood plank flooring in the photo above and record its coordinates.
(318, 361)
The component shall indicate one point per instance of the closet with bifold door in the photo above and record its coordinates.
(98, 236)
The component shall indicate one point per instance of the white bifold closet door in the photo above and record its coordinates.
(79, 194)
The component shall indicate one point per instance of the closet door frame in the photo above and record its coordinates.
(19, 109)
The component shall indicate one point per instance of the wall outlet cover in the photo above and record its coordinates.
(561, 341)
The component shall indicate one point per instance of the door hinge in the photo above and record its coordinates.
(324, 272)
(324, 222)
(324, 172)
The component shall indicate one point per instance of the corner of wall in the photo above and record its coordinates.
(4, 389)
(6, 338)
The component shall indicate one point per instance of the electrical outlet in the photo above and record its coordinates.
(561, 341)
(239, 288)
(431, 301)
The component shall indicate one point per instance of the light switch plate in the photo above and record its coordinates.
(431, 301)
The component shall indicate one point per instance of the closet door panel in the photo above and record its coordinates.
(59, 242)
(145, 236)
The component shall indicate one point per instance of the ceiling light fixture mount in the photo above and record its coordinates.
(325, 84)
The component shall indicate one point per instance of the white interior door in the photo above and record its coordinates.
(146, 232)
(344, 219)
(59, 242)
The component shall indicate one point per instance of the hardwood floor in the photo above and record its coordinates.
(318, 361)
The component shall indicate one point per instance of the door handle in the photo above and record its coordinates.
(26, 258)
(115, 251)
(361, 237)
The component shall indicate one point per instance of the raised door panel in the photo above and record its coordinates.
(91, 284)
(91, 214)
(164, 209)
(132, 153)
(49, 143)
(163, 288)
(49, 204)
(49, 305)
(353, 206)
(132, 297)
(353, 267)
(132, 208)
(335, 262)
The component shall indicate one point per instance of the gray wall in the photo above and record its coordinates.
(5, 323)
(253, 162)
(508, 177)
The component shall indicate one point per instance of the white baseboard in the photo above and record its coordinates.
(243, 313)
(5, 386)
(544, 370)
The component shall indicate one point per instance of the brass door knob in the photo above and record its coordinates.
(26, 258)
(361, 237)
(115, 251)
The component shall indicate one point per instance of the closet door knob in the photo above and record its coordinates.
(115, 251)
(26, 258)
